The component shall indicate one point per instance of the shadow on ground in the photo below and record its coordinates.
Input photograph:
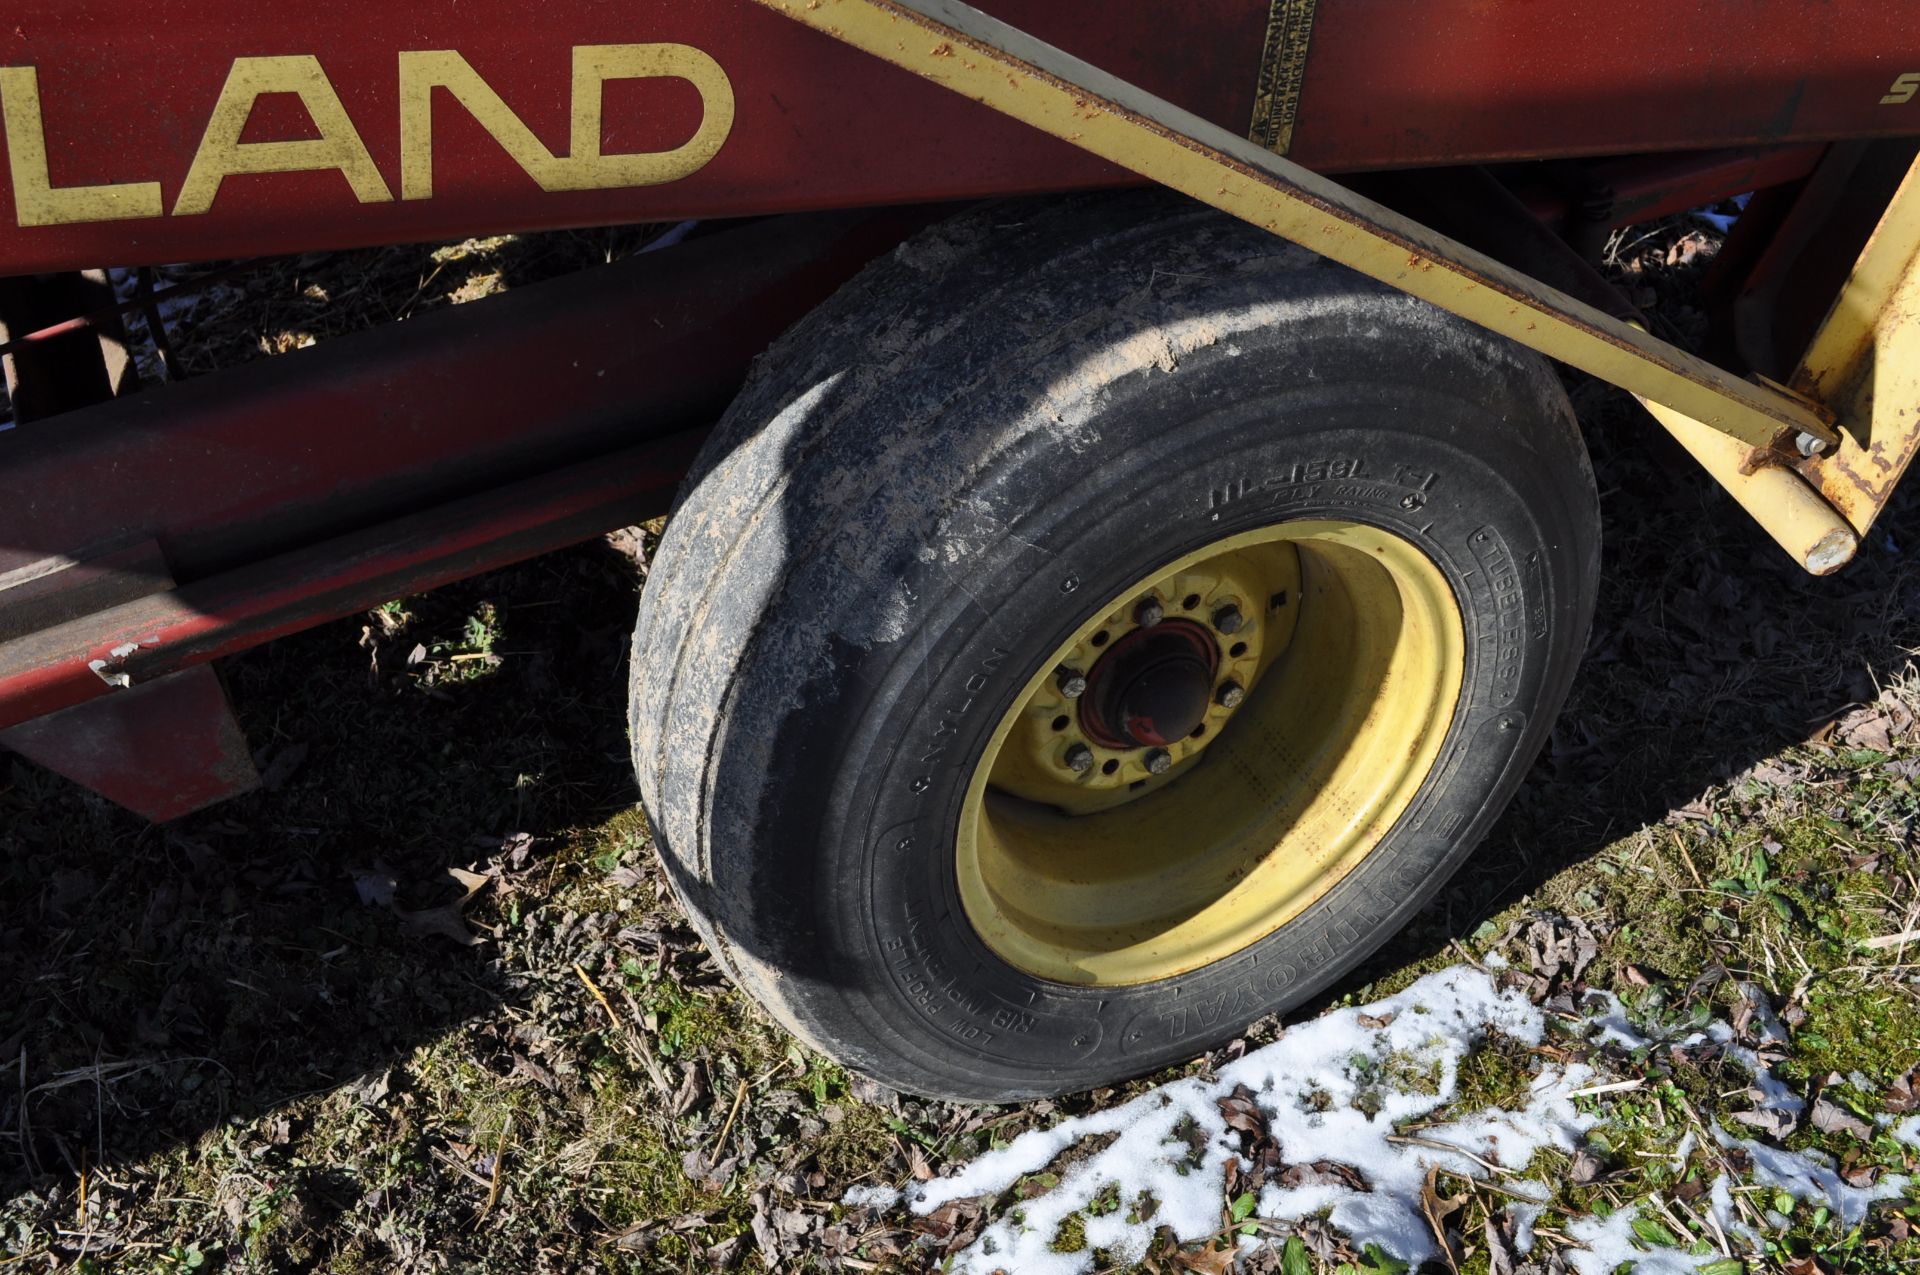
(165, 980)
(1710, 652)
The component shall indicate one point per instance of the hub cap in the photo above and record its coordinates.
(1152, 688)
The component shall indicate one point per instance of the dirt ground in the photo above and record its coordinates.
(272, 1037)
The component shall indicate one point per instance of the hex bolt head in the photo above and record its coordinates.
(1229, 695)
(1807, 445)
(1079, 759)
(1227, 619)
(1072, 682)
(1149, 612)
(1159, 761)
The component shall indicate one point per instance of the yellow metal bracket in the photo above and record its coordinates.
(1865, 362)
(957, 46)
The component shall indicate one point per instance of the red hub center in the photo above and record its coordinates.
(1152, 688)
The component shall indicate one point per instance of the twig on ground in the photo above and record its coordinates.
(625, 1032)
(739, 1096)
(1433, 1144)
(499, 1159)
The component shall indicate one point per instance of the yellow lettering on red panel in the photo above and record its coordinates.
(36, 200)
(222, 154)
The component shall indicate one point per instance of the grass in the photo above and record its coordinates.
(219, 1057)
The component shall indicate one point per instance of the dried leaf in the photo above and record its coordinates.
(276, 773)
(373, 1090)
(448, 920)
(765, 1238)
(955, 1224)
(1560, 949)
(722, 1256)
(1586, 1167)
(1498, 1233)
(1769, 1120)
(1322, 1173)
(1242, 1112)
(1437, 1208)
(1830, 1117)
(1904, 1094)
(692, 1091)
(1206, 1260)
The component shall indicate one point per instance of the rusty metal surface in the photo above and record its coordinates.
(162, 749)
(1865, 362)
(127, 106)
(978, 57)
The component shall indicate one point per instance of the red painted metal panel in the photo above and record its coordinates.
(162, 750)
(127, 97)
(1395, 82)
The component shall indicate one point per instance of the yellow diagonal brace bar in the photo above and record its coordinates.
(982, 58)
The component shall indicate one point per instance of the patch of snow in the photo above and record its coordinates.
(1606, 1022)
(1807, 1177)
(1721, 1210)
(1768, 1029)
(1524, 1216)
(871, 1197)
(1332, 1089)
(1335, 1089)
(1609, 1243)
(1769, 1092)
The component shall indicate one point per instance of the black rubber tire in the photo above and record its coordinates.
(935, 477)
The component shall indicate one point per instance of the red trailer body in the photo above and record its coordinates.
(141, 537)
(745, 113)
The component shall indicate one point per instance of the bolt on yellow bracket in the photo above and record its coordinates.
(957, 46)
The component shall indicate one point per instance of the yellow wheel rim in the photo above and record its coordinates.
(1085, 858)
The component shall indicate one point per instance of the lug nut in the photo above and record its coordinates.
(1079, 759)
(1072, 682)
(1149, 612)
(1159, 761)
(1227, 619)
(1229, 695)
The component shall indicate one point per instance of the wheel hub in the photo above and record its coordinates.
(1152, 688)
(1111, 837)
(1148, 685)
